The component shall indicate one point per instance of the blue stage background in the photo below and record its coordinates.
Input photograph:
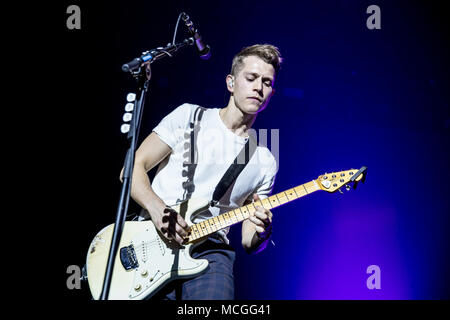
(346, 97)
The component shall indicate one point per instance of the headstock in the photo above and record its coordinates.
(331, 182)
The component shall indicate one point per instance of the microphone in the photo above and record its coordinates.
(203, 50)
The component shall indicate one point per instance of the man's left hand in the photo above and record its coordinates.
(262, 219)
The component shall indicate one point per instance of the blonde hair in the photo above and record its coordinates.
(266, 52)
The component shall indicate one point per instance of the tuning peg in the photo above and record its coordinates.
(363, 180)
(347, 187)
(340, 191)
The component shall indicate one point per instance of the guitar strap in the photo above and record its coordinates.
(235, 168)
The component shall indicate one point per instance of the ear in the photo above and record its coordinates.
(273, 92)
(229, 80)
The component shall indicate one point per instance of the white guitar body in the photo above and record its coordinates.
(145, 261)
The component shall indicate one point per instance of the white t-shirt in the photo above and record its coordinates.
(177, 179)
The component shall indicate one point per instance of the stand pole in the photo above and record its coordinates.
(143, 76)
(140, 69)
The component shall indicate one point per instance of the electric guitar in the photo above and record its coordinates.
(146, 260)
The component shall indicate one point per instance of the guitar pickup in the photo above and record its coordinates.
(128, 258)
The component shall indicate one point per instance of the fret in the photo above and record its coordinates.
(217, 223)
(300, 191)
(212, 224)
(226, 219)
(232, 216)
(304, 187)
(235, 217)
(200, 229)
(221, 220)
(266, 203)
(238, 213)
(258, 203)
(208, 227)
(251, 208)
(282, 198)
(194, 232)
(243, 211)
(291, 195)
(203, 228)
(198, 232)
(312, 186)
(274, 201)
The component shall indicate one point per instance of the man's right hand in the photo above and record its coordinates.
(170, 223)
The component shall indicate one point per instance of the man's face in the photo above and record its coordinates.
(253, 85)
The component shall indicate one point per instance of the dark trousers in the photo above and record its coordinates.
(216, 283)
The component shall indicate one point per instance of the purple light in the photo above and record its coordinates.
(345, 245)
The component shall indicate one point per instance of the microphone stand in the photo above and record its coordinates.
(140, 69)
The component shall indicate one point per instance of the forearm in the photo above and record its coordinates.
(142, 192)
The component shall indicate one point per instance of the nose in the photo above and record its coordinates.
(258, 87)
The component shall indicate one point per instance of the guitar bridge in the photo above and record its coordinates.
(128, 258)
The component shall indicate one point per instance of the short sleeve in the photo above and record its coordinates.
(264, 189)
(172, 127)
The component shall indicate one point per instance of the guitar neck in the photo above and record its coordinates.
(226, 219)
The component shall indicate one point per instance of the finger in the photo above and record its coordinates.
(165, 232)
(181, 231)
(183, 224)
(261, 214)
(259, 229)
(263, 211)
(257, 203)
(172, 236)
(169, 230)
(257, 221)
(267, 222)
(174, 215)
(264, 216)
(258, 208)
(178, 239)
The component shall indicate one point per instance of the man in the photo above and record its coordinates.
(221, 135)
